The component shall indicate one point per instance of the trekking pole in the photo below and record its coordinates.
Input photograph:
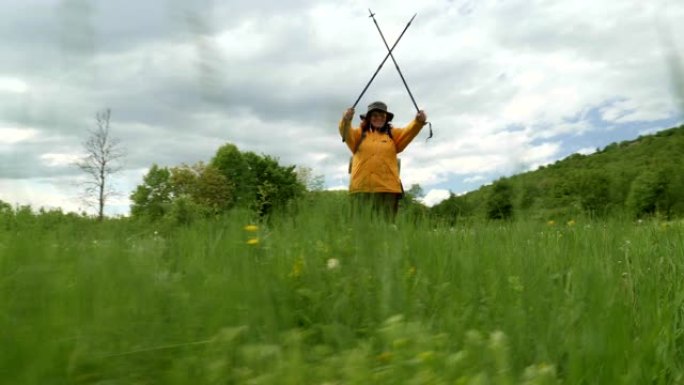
(372, 15)
(383, 61)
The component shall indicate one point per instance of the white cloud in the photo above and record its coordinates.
(16, 135)
(13, 85)
(649, 131)
(564, 128)
(49, 193)
(56, 160)
(66, 192)
(338, 188)
(435, 196)
(539, 155)
(586, 150)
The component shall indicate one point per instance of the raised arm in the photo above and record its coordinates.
(349, 134)
(404, 136)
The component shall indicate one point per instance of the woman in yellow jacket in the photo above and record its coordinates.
(374, 166)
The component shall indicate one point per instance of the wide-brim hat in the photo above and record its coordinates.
(378, 106)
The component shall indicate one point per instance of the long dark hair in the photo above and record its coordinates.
(366, 126)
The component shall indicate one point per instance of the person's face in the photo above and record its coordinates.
(378, 119)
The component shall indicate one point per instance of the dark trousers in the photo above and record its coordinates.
(383, 206)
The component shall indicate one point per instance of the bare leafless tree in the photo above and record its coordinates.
(102, 160)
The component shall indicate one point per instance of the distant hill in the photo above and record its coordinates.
(636, 178)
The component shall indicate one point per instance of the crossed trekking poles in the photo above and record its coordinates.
(389, 55)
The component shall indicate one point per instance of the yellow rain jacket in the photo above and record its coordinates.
(374, 165)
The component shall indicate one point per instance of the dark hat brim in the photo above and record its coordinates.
(390, 115)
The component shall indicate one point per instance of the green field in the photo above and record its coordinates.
(320, 299)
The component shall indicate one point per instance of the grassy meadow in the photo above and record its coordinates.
(319, 298)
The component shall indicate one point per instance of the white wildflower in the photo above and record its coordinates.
(333, 263)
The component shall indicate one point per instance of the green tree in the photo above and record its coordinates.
(153, 197)
(452, 209)
(670, 201)
(414, 192)
(563, 191)
(184, 210)
(411, 206)
(529, 193)
(178, 190)
(500, 200)
(260, 182)
(310, 181)
(234, 165)
(645, 193)
(620, 185)
(205, 185)
(674, 194)
(6, 215)
(594, 192)
(276, 185)
(214, 190)
(5, 208)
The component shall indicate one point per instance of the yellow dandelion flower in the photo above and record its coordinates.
(251, 228)
(253, 241)
(551, 222)
(571, 222)
(297, 268)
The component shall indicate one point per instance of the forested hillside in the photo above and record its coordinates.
(637, 178)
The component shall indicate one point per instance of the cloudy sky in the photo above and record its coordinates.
(507, 84)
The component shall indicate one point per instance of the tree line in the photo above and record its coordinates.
(634, 179)
(231, 179)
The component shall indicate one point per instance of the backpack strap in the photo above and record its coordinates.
(358, 144)
(363, 136)
(356, 148)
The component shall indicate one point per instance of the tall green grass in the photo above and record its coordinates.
(321, 298)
